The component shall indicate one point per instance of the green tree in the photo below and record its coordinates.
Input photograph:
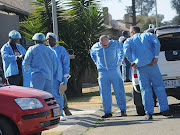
(166, 23)
(176, 5)
(145, 21)
(150, 20)
(30, 27)
(79, 27)
(139, 7)
(85, 23)
(176, 20)
(144, 7)
(40, 19)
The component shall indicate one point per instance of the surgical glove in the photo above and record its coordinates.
(67, 76)
(134, 65)
(65, 80)
(20, 57)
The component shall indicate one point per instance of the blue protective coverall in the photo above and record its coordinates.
(141, 49)
(10, 66)
(107, 61)
(42, 62)
(63, 62)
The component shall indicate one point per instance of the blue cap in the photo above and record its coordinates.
(14, 34)
(39, 37)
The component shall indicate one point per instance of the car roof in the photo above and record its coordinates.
(167, 27)
(167, 31)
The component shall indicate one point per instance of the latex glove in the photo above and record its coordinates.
(20, 57)
(65, 80)
(67, 76)
(134, 65)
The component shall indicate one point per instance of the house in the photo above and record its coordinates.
(115, 27)
(11, 11)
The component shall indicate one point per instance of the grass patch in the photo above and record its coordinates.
(93, 126)
(90, 94)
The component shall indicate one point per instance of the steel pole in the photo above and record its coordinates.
(54, 17)
(156, 13)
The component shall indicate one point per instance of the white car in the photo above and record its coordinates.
(168, 62)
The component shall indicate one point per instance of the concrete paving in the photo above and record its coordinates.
(86, 120)
(137, 125)
(83, 118)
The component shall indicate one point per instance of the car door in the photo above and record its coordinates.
(169, 57)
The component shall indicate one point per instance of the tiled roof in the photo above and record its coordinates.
(14, 6)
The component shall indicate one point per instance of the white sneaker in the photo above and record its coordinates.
(62, 118)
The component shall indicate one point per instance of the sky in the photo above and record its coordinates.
(117, 9)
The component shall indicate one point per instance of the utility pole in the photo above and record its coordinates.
(54, 16)
(156, 13)
(55, 24)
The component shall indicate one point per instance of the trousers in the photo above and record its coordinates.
(150, 76)
(59, 98)
(105, 79)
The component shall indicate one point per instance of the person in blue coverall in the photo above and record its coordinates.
(142, 51)
(42, 62)
(62, 75)
(126, 66)
(12, 55)
(105, 55)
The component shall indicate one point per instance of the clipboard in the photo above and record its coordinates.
(62, 88)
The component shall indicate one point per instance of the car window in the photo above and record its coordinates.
(169, 37)
(168, 44)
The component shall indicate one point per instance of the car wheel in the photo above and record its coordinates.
(140, 110)
(137, 97)
(5, 127)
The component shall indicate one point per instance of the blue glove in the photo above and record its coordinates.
(65, 80)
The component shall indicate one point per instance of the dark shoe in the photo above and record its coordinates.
(67, 112)
(123, 113)
(148, 117)
(127, 80)
(166, 113)
(107, 115)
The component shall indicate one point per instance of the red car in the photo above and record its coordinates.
(25, 111)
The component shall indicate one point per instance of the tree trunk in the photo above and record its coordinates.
(134, 13)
